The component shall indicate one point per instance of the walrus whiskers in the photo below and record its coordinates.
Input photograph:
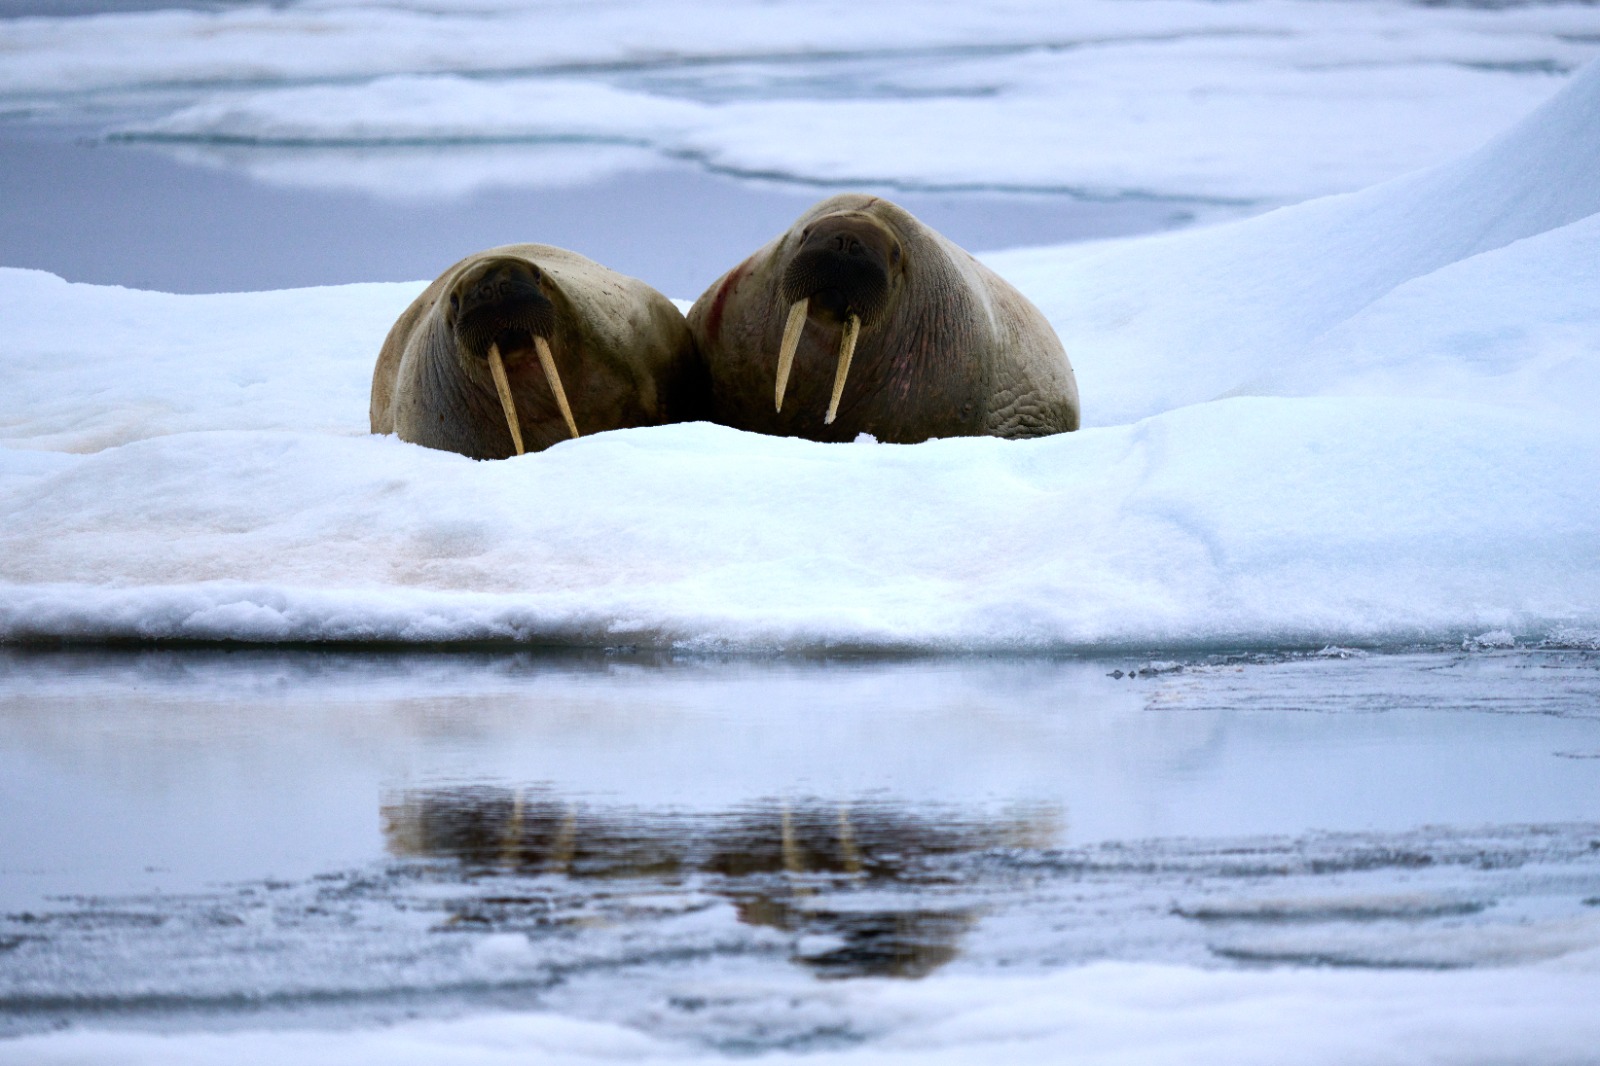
(497, 367)
(549, 363)
(847, 348)
(791, 341)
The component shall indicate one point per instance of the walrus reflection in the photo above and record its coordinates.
(519, 347)
(773, 861)
(860, 319)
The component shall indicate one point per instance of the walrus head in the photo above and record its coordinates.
(847, 267)
(499, 310)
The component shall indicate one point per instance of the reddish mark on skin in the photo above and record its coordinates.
(729, 283)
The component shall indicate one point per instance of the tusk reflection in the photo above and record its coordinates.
(549, 363)
(791, 341)
(497, 367)
(799, 867)
(847, 348)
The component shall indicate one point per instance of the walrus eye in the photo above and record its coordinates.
(455, 302)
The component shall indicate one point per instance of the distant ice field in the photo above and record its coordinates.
(1266, 102)
(380, 141)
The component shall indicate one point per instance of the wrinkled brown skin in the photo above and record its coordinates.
(622, 349)
(956, 352)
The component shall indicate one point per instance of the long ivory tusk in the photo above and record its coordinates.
(498, 368)
(791, 341)
(548, 361)
(847, 348)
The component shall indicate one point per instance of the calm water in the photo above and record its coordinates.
(216, 838)
(238, 219)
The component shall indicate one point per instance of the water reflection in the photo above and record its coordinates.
(840, 878)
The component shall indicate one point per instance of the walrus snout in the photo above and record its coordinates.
(843, 266)
(500, 302)
(499, 310)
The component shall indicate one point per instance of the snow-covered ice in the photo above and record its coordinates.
(1364, 418)
(1107, 1013)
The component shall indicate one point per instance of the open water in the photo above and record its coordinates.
(113, 213)
(221, 838)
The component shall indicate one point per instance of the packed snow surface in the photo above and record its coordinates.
(1362, 418)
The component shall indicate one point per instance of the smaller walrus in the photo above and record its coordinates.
(860, 319)
(519, 347)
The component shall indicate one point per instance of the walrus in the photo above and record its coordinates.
(519, 347)
(861, 319)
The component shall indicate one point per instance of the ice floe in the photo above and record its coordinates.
(1360, 419)
(1267, 102)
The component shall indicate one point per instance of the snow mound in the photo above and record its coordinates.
(1305, 298)
(1362, 419)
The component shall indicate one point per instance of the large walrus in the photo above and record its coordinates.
(519, 347)
(860, 319)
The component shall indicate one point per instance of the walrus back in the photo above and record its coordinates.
(1032, 389)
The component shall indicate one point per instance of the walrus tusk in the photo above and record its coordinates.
(791, 341)
(549, 363)
(847, 348)
(497, 367)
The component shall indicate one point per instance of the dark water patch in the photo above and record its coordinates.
(1295, 912)
(1519, 66)
(11, 9)
(90, 920)
(1336, 960)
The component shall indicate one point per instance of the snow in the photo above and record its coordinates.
(1360, 419)
(1295, 300)
(1101, 1013)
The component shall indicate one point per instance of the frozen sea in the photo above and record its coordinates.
(1257, 722)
